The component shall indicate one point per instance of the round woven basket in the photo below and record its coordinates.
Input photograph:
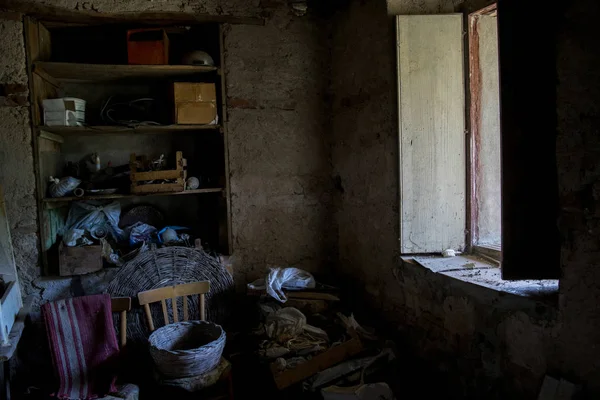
(187, 348)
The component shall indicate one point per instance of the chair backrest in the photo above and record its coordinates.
(121, 305)
(173, 292)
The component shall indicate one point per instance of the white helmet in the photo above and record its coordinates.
(197, 57)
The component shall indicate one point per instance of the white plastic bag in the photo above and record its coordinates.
(91, 216)
(284, 278)
(285, 324)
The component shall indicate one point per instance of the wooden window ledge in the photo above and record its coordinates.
(478, 271)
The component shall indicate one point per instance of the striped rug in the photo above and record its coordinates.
(83, 344)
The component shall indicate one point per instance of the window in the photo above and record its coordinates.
(476, 185)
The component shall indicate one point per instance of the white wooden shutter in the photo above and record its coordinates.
(432, 132)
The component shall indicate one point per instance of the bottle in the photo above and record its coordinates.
(98, 166)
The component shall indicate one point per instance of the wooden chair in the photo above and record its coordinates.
(173, 292)
(121, 305)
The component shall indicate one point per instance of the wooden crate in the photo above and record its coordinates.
(178, 174)
(79, 260)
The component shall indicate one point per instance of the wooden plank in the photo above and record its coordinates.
(312, 296)
(72, 72)
(317, 364)
(202, 306)
(432, 133)
(45, 43)
(154, 295)
(49, 79)
(151, 129)
(174, 307)
(153, 175)
(148, 317)
(79, 260)
(157, 188)
(52, 136)
(6, 352)
(31, 30)
(163, 304)
(123, 329)
(225, 122)
(303, 295)
(127, 196)
(119, 304)
(188, 289)
(185, 308)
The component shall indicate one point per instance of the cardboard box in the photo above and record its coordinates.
(195, 103)
(193, 113)
(194, 92)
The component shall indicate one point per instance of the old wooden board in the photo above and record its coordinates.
(60, 201)
(73, 72)
(318, 363)
(100, 130)
(302, 295)
(432, 133)
(225, 230)
(79, 260)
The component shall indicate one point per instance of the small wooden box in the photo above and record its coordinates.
(147, 47)
(79, 260)
(178, 174)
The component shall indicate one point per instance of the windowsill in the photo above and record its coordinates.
(478, 271)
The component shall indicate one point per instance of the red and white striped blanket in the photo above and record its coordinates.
(83, 344)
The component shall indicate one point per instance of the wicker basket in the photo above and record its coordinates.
(187, 348)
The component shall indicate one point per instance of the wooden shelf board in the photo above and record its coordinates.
(103, 72)
(93, 130)
(125, 196)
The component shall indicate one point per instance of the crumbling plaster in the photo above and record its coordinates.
(488, 344)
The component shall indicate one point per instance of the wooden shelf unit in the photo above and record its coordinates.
(52, 78)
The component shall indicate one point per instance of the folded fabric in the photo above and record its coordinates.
(83, 345)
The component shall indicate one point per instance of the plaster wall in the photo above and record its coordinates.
(486, 343)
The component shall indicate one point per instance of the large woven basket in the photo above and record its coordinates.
(187, 348)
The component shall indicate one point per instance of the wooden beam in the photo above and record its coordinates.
(53, 16)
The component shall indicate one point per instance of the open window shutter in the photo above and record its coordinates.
(432, 132)
(530, 237)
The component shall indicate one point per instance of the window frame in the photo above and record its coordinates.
(473, 111)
